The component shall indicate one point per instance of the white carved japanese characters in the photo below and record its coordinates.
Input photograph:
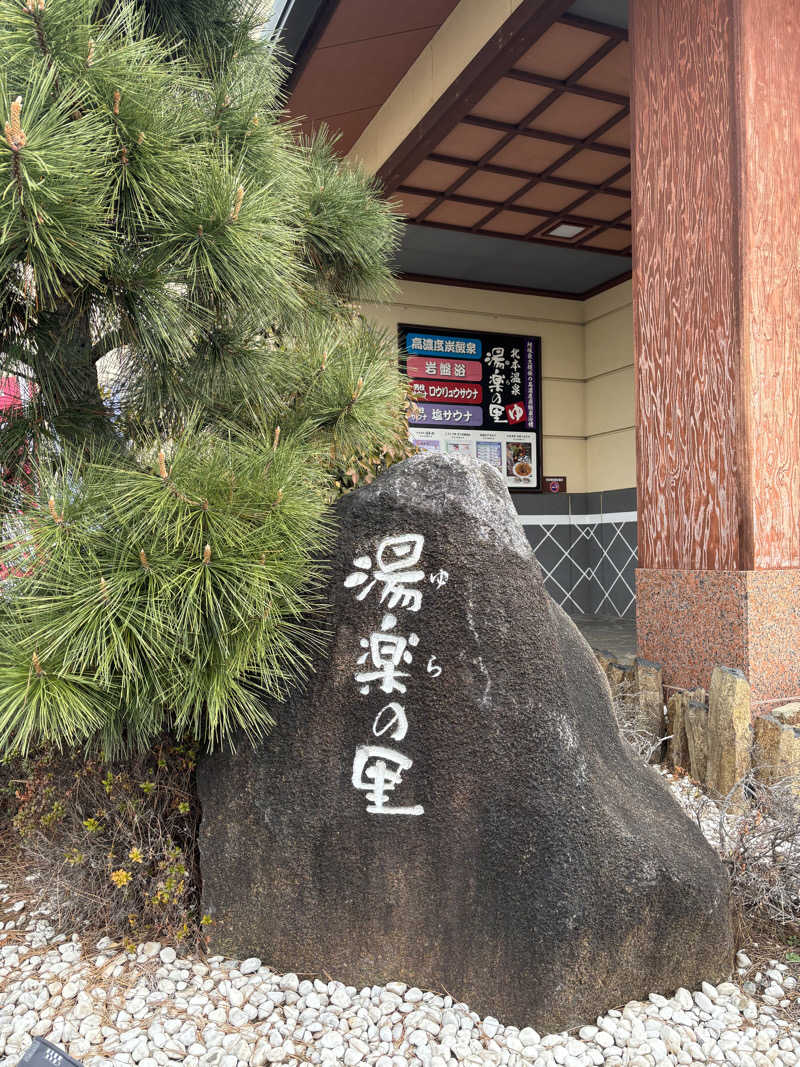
(386, 653)
(394, 723)
(384, 665)
(395, 569)
(378, 770)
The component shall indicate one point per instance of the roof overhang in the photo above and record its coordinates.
(511, 159)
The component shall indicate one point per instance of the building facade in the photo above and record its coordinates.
(615, 177)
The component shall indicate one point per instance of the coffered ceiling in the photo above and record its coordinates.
(544, 154)
(529, 146)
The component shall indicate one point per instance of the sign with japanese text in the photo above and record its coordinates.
(478, 394)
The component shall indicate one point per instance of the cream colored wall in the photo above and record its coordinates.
(587, 368)
(608, 346)
(460, 37)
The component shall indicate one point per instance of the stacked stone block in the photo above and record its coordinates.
(714, 737)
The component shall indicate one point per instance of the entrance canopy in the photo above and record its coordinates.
(512, 160)
(502, 128)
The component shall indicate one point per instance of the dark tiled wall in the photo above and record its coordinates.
(586, 546)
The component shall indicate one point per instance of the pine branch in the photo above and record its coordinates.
(169, 519)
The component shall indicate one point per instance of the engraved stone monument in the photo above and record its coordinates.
(449, 803)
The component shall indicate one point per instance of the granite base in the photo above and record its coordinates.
(693, 621)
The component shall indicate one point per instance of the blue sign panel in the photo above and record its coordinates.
(448, 414)
(429, 344)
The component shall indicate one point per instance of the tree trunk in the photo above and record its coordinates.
(66, 378)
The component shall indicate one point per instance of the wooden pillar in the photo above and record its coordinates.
(716, 173)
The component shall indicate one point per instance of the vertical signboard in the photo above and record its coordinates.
(477, 393)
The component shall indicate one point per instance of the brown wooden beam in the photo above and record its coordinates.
(568, 87)
(613, 225)
(494, 287)
(526, 175)
(619, 33)
(558, 163)
(592, 61)
(524, 123)
(490, 153)
(520, 209)
(525, 290)
(546, 135)
(610, 284)
(566, 211)
(514, 237)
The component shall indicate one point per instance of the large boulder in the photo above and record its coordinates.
(449, 803)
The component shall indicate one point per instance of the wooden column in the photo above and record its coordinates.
(716, 172)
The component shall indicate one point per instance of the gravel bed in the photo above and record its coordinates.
(692, 799)
(105, 1006)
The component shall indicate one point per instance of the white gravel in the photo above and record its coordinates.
(105, 1006)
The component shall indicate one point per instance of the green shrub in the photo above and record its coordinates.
(114, 844)
(169, 599)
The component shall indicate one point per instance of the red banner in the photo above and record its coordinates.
(463, 370)
(9, 393)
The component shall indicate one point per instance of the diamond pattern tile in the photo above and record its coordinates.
(588, 567)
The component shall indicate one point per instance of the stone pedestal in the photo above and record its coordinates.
(694, 621)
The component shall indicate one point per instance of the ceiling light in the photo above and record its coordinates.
(566, 230)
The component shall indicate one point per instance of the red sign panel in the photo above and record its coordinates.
(454, 392)
(463, 370)
(516, 413)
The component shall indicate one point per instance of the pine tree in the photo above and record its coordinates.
(160, 221)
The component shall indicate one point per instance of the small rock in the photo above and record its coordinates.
(703, 1003)
(529, 1037)
(490, 1026)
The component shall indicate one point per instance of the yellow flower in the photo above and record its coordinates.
(135, 855)
(120, 877)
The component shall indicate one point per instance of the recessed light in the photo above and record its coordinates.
(566, 230)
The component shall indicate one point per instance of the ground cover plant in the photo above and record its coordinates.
(113, 844)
